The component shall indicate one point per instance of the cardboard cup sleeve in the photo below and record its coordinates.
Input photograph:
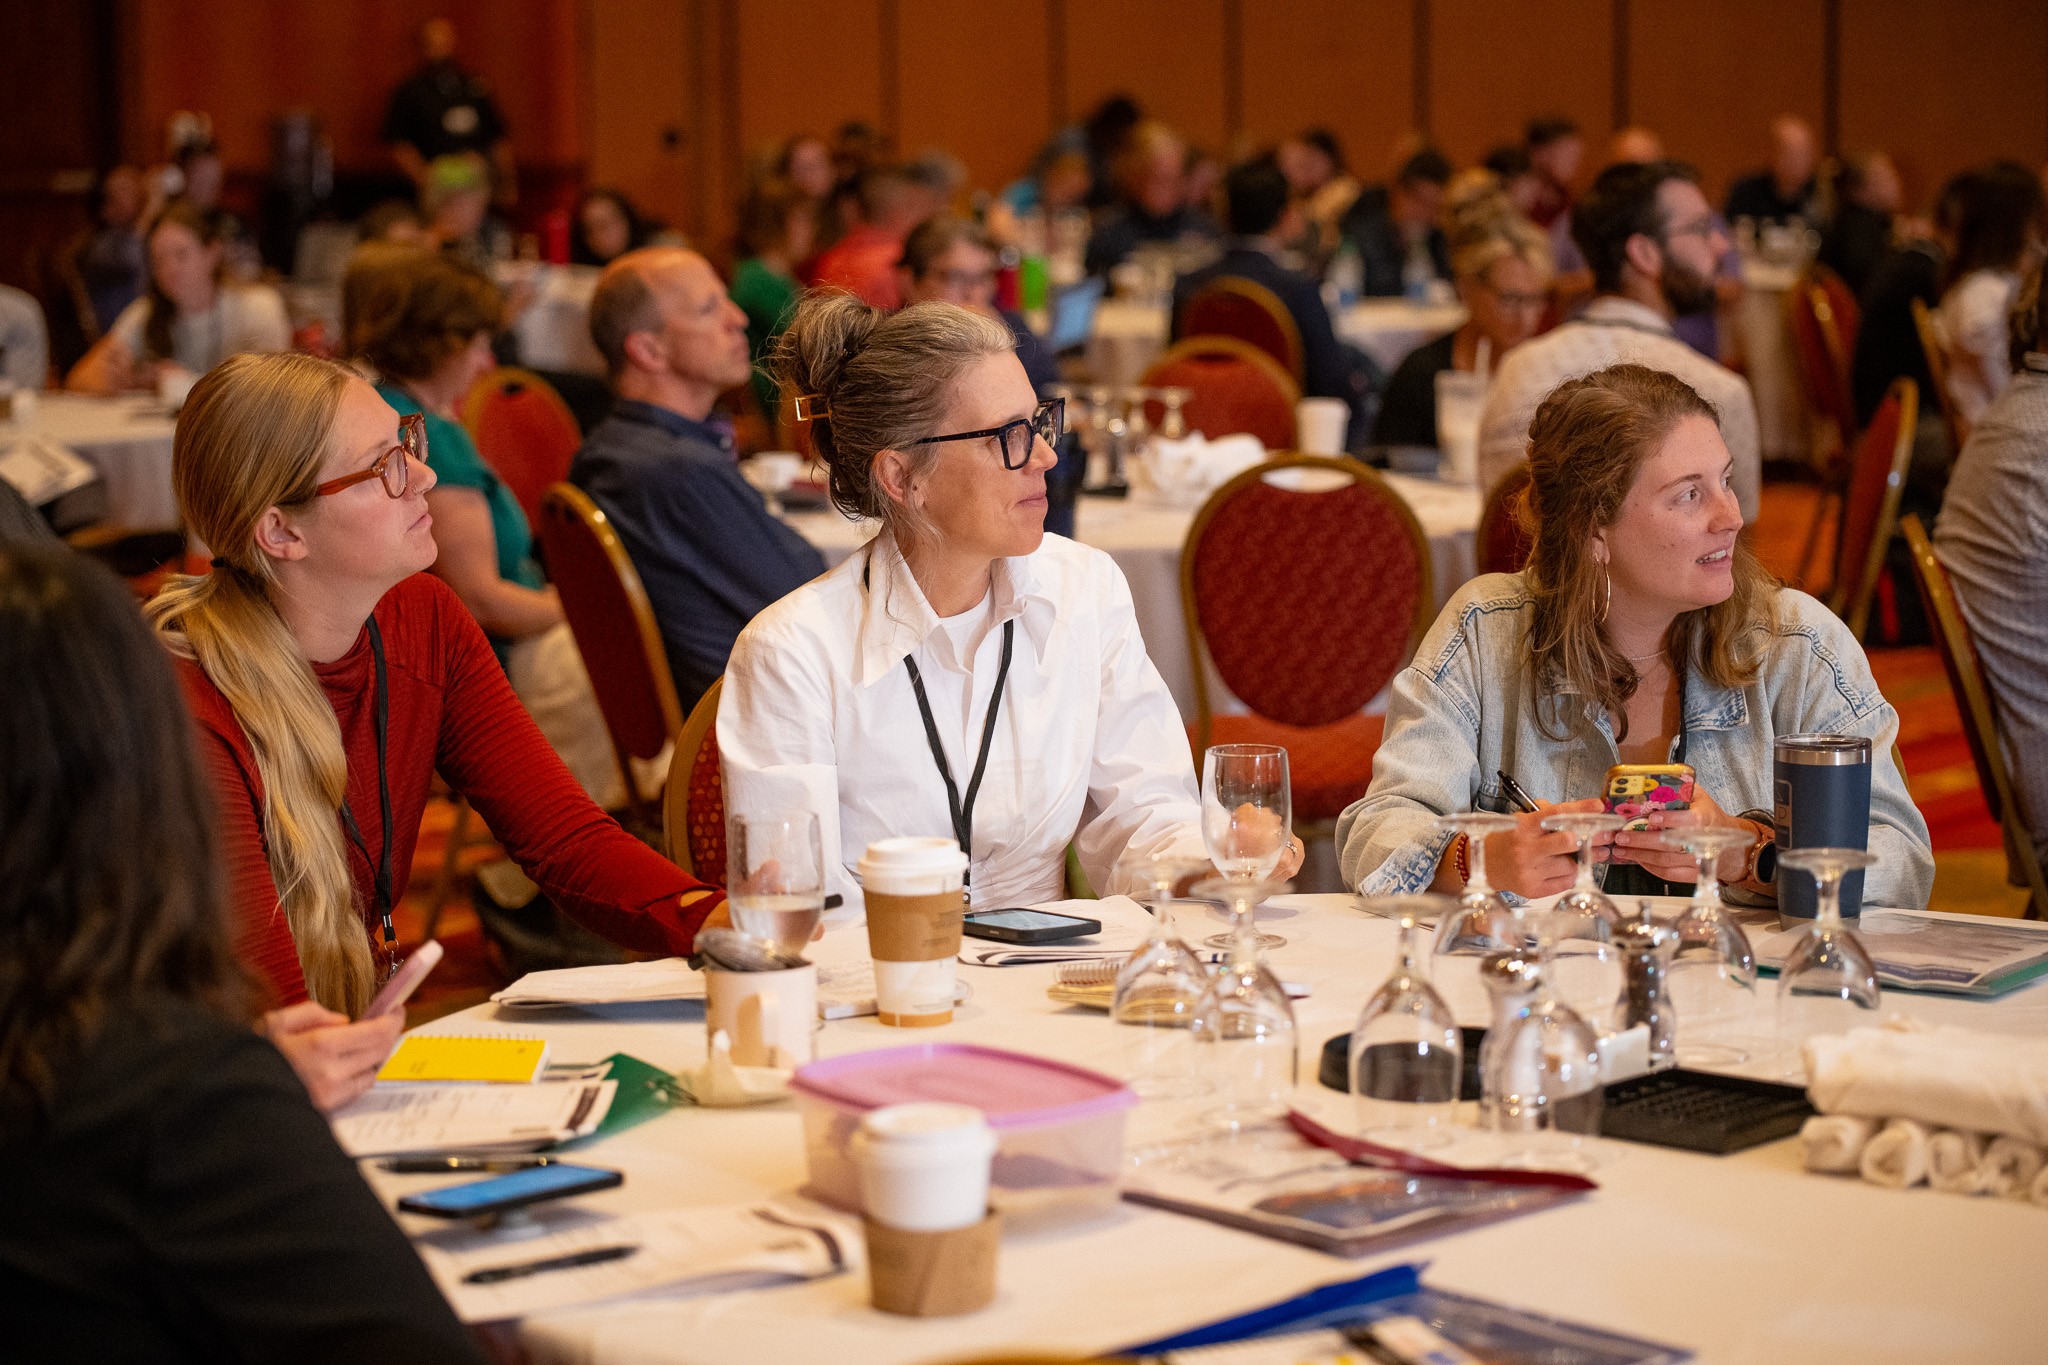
(933, 1274)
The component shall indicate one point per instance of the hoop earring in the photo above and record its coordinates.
(1606, 594)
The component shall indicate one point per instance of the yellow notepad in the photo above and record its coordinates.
(448, 1057)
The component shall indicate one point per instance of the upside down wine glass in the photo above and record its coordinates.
(1581, 965)
(1247, 823)
(1712, 973)
(1159, 989)
(1406, 1051)
(1481, 921)
(1541, 1083)
(1246, 1014)
(1828, 983)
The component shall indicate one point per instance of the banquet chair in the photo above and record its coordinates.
(1823, 318)
(1979, 710)
(693, 804)
(1952, 420)
(1306, 600)
(1503, 542)
(1232, 386)
(616, 632)
(524, 431)
(1250, 312)
(1870, 503)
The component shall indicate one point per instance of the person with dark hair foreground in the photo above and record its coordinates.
(169, 1191)
(1643, 631)
(1652, 242)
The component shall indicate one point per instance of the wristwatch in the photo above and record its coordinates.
(1763, 854)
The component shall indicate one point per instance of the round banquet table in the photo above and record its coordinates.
(1763, 340)
(1127, 337)
(1388, 329)
(1145, 539)
(1743, 1258)
(128, 440)
(554, 330)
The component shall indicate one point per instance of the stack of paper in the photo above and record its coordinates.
(394, 1119)
(671, 978)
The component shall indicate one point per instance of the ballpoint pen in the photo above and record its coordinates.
(436, 1165)
(595, 1256)
(1516, 794)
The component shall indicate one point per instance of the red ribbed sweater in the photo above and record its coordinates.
(450, 708)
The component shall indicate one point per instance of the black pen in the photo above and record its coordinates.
(435, 1165)
(595, 1256)
(1523, 802)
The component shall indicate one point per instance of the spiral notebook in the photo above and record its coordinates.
(495, 1059)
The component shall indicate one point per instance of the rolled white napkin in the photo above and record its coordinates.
(2010, 1168)
(1952, 1161)
(1955, 1078)
(1897, 1157)
(2040, 1190)
(1835, 1142)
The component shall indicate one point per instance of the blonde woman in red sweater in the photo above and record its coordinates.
(330, 677)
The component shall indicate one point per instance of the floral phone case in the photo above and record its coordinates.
(1636, 789)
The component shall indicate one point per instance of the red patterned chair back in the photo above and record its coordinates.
(524, 431)
(1250, 312)
(1233, 387)
(1870, 508)
(1504, 544)
(614, 626)
(1306, 599)
(1821, 320)
(693, 808)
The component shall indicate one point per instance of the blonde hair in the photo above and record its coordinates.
(1485, 229)
(252, 436)
(1587, 444)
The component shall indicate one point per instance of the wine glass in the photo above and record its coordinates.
(1246, 1015)
(1159, 988)
(1712, 975)
(1481, 921)
(1581, 965)
(1828, 983)
(775, 876)
(1247, 824)
(1406, 1051)
(1541, 1081)
(1173, 427)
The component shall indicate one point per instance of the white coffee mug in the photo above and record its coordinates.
(1320, 425)
(764, 1013)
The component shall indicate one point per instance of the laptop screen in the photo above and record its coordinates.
(1073, 315)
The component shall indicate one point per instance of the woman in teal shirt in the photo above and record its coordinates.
(424, 321)
(777, 225)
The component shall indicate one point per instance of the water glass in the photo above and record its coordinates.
(775, 876)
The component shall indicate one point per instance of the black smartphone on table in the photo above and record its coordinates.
(503, 1193)
(1028, 926)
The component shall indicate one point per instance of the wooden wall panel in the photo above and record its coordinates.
(1945, 86)
(243, 61)
(1348, 65)
(1166, 54)
(639, 119)
(1699, 78)
(974, 80)
(1494, 63)
(806, 66)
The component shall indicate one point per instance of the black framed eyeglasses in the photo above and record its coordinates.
(1014, 439)
(394, 466)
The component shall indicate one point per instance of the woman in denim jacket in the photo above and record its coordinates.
(1642, 631)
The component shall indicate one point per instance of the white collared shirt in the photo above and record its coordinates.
(1088, 746)
(1613, 331)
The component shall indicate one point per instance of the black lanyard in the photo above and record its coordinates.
(963, 812)
(381, 714)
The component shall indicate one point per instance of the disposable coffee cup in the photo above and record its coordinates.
(924, 1167)
(764, 1014)
(933, 1274)
(1320, 425)
(1820, 799)
(915, 904)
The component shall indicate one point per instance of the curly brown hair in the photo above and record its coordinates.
(406, 309)
(1587, 443)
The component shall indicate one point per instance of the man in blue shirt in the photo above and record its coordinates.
(708, 552)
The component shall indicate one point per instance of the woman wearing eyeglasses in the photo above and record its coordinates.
(330, 677)
(964, 674)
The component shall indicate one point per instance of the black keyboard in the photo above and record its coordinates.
(1698, 1111)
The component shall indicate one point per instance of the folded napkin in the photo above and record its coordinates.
(1948, 1077)
(721, 1084)
(1125, 924)
(1835, 1142)
(1897, 1157)
(1194, 466)
(2009, 1169)
(1952, 1161)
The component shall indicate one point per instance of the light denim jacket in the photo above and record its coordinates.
(1465, 708)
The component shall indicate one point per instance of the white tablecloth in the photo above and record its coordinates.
(1145, 540)
(1128, 336)
(1740, 1259)
(1388, 329)
(1763, 343)
(128, 440)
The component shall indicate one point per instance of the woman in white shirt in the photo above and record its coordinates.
(1998, 237)
(963, 673)
(188, 319)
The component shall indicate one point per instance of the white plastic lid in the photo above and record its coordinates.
(928, 1125)
(912, 866)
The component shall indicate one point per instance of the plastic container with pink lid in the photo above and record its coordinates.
(1059, 1128)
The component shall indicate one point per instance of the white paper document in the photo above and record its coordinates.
(670, 978)
(41, 470)
(394, 1119)
(719, 1248)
